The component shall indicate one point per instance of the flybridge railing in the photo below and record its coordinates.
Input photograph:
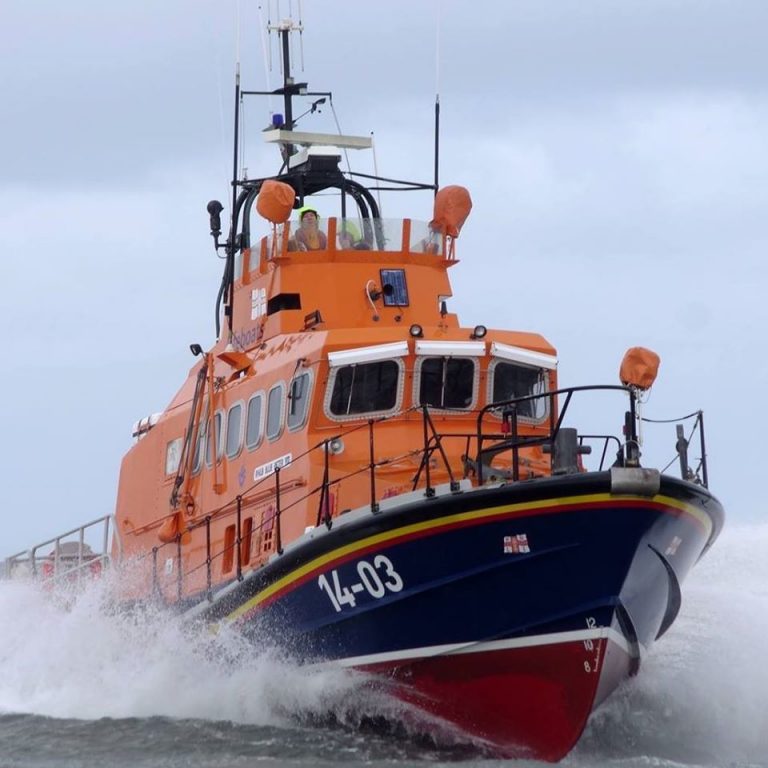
(355, 234)
(505, 434)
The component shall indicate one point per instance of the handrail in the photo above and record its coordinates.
(426, 455)
(606, 440)
(510, 433)
(681, 447)
(76, 564)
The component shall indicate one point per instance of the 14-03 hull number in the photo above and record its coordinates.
(377, 579)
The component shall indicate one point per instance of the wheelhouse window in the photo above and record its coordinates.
(254, 422)
(364, 388)
(447, 382)
(234, 430)
(510, 380)
(298, 401)
(275, 411)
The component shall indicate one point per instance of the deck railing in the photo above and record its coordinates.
(499, 429)
(506, 432)
(69, 557)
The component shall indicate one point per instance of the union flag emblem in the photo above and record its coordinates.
(516, 545)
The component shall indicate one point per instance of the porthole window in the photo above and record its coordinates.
(364, 388)
(275, 411)
(511, 380)
(254, 425)
(446, 382)
(298, 401)
(234, 430)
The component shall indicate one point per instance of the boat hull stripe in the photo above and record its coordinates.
(455, 649)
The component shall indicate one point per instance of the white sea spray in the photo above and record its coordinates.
(701, 697)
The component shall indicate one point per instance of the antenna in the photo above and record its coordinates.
(437, 98)
(290, 88)
(376, 171)
(301, 38)
(266, 50)
(231, 245)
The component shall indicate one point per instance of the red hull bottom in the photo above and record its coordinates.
(523, 702)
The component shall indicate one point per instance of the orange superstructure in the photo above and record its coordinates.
(279, 393)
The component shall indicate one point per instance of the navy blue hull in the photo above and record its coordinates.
(585, 558)
(556, 584)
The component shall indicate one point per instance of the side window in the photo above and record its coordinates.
(217, 419)
(510, 380)
(234, 430)
(275, 411)
(173, 455)
(254, 424)
(446, 382)
(298, 401)
(364, 388)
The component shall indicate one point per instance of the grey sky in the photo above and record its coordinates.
(616, 153)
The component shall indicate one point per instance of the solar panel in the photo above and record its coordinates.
(394, 287)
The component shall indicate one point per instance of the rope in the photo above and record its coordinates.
(687, 440)
(671, 421)
(265, 57)
(368, 286)
(338, 128)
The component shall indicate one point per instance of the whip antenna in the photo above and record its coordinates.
(376, 173)
(266, 52)
(437, 99)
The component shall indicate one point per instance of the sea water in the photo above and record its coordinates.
(83, 686)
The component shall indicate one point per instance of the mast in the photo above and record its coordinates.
(287, 79)
(229, 309)
(290, 88)
(437, 142)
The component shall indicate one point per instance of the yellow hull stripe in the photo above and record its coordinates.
(506, 509)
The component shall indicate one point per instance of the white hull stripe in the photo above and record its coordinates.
(455, 649)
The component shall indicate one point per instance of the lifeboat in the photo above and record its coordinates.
(353, 475)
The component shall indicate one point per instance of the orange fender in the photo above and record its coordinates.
(452, 206)
(170, 529)
(275, 201)
(639, 368)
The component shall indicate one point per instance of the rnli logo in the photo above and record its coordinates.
(258, 303)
